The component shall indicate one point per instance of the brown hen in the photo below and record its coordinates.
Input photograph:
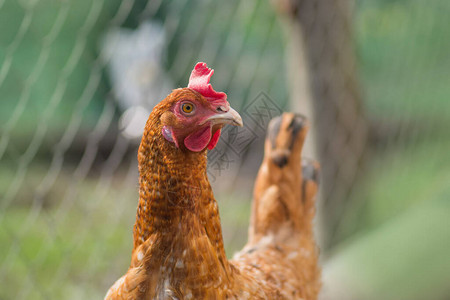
(178, 248)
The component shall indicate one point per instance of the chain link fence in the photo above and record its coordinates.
(78, 79)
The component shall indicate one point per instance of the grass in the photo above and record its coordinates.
(77, 246)
(405, 258)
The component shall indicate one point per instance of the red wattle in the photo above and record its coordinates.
(214, 140)
(198, 140)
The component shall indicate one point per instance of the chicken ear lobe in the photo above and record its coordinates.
(199, 140)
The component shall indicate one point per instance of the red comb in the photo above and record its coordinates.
(199, 81)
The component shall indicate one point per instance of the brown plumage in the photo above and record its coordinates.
(178, 250)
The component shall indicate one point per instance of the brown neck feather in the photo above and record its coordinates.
(174, 188)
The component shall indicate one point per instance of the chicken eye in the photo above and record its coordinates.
(187, 108)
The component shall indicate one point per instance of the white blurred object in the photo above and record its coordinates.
(134, 66)
(132, 121)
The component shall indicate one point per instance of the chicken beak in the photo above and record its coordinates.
(231, 117)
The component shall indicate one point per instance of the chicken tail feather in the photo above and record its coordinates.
(286, 185)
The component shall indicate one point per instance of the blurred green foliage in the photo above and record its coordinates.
(403, 48)
(395, 232)
(48, 64)
(404, 59)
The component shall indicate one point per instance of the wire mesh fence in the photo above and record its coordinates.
(78, 79)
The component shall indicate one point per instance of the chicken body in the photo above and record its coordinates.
(178, 250)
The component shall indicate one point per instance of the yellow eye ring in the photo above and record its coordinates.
(187, 107)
